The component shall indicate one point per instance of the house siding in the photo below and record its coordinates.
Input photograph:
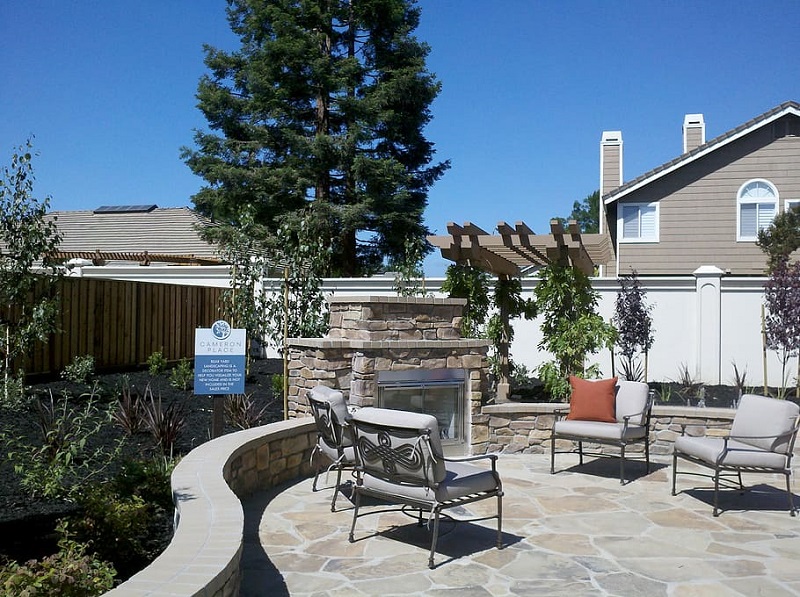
(698, 207)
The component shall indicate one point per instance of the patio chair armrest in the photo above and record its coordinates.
(492, 457)
(561, 411)
(707, 425)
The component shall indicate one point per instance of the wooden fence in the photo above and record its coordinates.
(122, 323)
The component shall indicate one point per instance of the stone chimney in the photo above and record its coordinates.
(694, 132)
(610, 161)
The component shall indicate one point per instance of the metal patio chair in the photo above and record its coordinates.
(761, 440)
(400, 461)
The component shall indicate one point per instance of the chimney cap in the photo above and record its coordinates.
(611, 137)
(693, 120)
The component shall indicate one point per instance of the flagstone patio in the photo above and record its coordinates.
(577, 532)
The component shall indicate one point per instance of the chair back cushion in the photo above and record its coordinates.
(632, 398)
(330, 412)
(762, 416)
(592, 400)
(399, 446)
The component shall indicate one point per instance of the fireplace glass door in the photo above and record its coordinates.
(437, 392)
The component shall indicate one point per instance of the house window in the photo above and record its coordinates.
(638, 222)
(792, 203)
(758, 203)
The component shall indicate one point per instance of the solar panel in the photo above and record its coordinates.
(125, 209)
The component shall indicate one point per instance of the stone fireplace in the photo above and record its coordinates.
(398, 352)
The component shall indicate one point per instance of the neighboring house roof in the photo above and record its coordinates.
(764, 119)
(141, 233)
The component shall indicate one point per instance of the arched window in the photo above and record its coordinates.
(757, 203)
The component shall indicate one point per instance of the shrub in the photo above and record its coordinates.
(130, 413)
(156, 363)
(71, 572)
(182, 375)
(80, 370)
(164, 424)
(277, 385)
(67, 458)
(242, 412)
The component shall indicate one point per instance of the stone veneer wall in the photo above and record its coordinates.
(525, 427)
(371, 334)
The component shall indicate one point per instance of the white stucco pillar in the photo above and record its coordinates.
(708, 324)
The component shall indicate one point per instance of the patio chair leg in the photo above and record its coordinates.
(355, 513)
(792, 511)
(500, 521)
(316, 469)
(741, 485)
(580, 452)
(622, 465)
(552, 454)
(647, 453)
(716, 493)
(435, 536)
(674, 471)
(336, 489)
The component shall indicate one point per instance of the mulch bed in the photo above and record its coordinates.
(26, 523)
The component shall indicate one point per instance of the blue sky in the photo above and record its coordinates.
(107, 88)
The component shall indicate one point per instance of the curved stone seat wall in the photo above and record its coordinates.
(204, 555)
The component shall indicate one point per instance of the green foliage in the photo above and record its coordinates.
(409, 276)
(147, 478)
(164, 423)
(12, 392)
(571, 327)
(28, 240)
(156, 363)
(688, 387)
(72, 572)
(242, 412)
(80, 370)
(67, 459)
(324, 103)
(182, 375)
(781, 238)
(296, 255)
(471, 283)
(277, 384)
(129, 414)
(586, 213)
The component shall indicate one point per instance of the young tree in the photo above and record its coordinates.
(634, 325)
(782, 321)
(28, 301)
(781, 238)
(571, 327)
(326, 101)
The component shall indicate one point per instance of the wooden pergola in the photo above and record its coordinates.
(516, 251)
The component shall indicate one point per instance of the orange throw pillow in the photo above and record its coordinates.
(592, 400)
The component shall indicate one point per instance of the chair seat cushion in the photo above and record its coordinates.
(461, 479)
(332, 453)
(598, 430)
(708, 449)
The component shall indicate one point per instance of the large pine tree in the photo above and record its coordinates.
(321, 110)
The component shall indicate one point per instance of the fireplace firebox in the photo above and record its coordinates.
(437, 392)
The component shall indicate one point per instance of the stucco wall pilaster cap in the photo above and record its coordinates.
(707, 271)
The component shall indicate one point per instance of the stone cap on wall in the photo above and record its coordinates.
(403, 300)
(381, 344)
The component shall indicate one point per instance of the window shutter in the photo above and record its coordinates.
(766, 213)
(747, 220)
(630, 221)
(648, 216)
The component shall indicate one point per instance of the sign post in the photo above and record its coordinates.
(219, 366)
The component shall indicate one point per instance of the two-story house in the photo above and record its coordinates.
(704, 207)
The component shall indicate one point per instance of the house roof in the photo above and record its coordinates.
(789, 107)
(134, 233)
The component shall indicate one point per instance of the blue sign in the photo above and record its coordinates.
(219, 359)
